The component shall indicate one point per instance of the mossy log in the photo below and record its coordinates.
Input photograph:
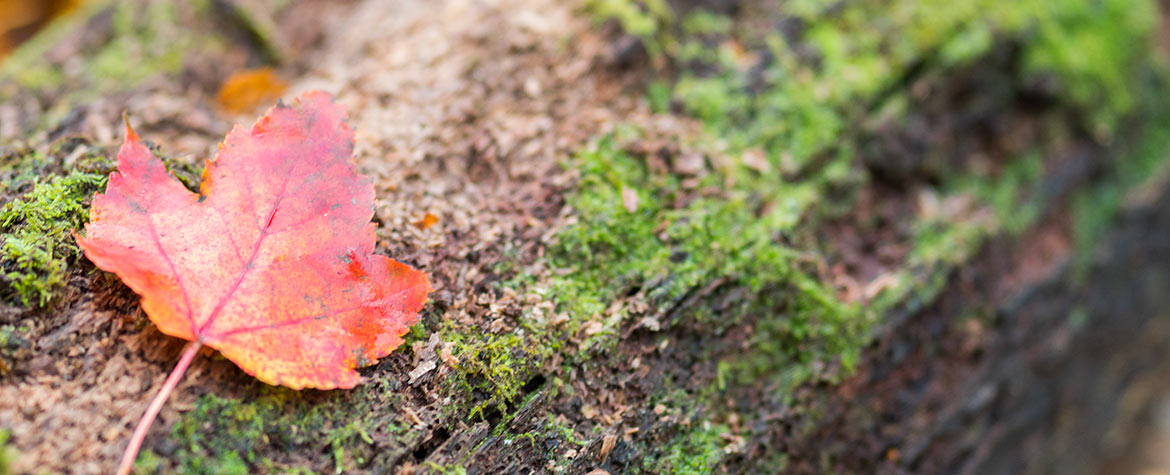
(665, 236)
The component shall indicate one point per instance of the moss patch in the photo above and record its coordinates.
(1092, 47)
(7, 454)
(665, 251)
(124, 44)
(645, 20)
(779, 114)
(794, 93)
(48, 200)
(224, 434)
(492, 369)
(692, 452)
(1142, 161)
(35, 229)
(145, 40)
(794, 97)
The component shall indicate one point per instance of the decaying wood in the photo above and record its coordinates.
(1018, 364)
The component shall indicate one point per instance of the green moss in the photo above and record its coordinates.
(1093, 47)
(697, 451)
(146, 40)
(219, 427)
(799, 109)
(1008, 194)
(644, 19)
(1142, 161)
(345, 435)
(231, 464)
(658, 95)
(796, 97)
(36, 233)
(49, 200)
(8, 454)
(703, 23)
(144, 44)
(492, 368)
(224, 434)
(967, 45)
(447, 469)
(147, 462)
(664, 251)
(754, 90)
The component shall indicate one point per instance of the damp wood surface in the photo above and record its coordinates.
(663, 236)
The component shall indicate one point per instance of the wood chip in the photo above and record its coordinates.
(421, 370)
(447, 357)
(425, 358)
(650, 323)
(410, 414)
(607, 444)
(880, 283)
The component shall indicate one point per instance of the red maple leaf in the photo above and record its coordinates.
(271, 263)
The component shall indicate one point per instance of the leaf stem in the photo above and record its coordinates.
(156, 405)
